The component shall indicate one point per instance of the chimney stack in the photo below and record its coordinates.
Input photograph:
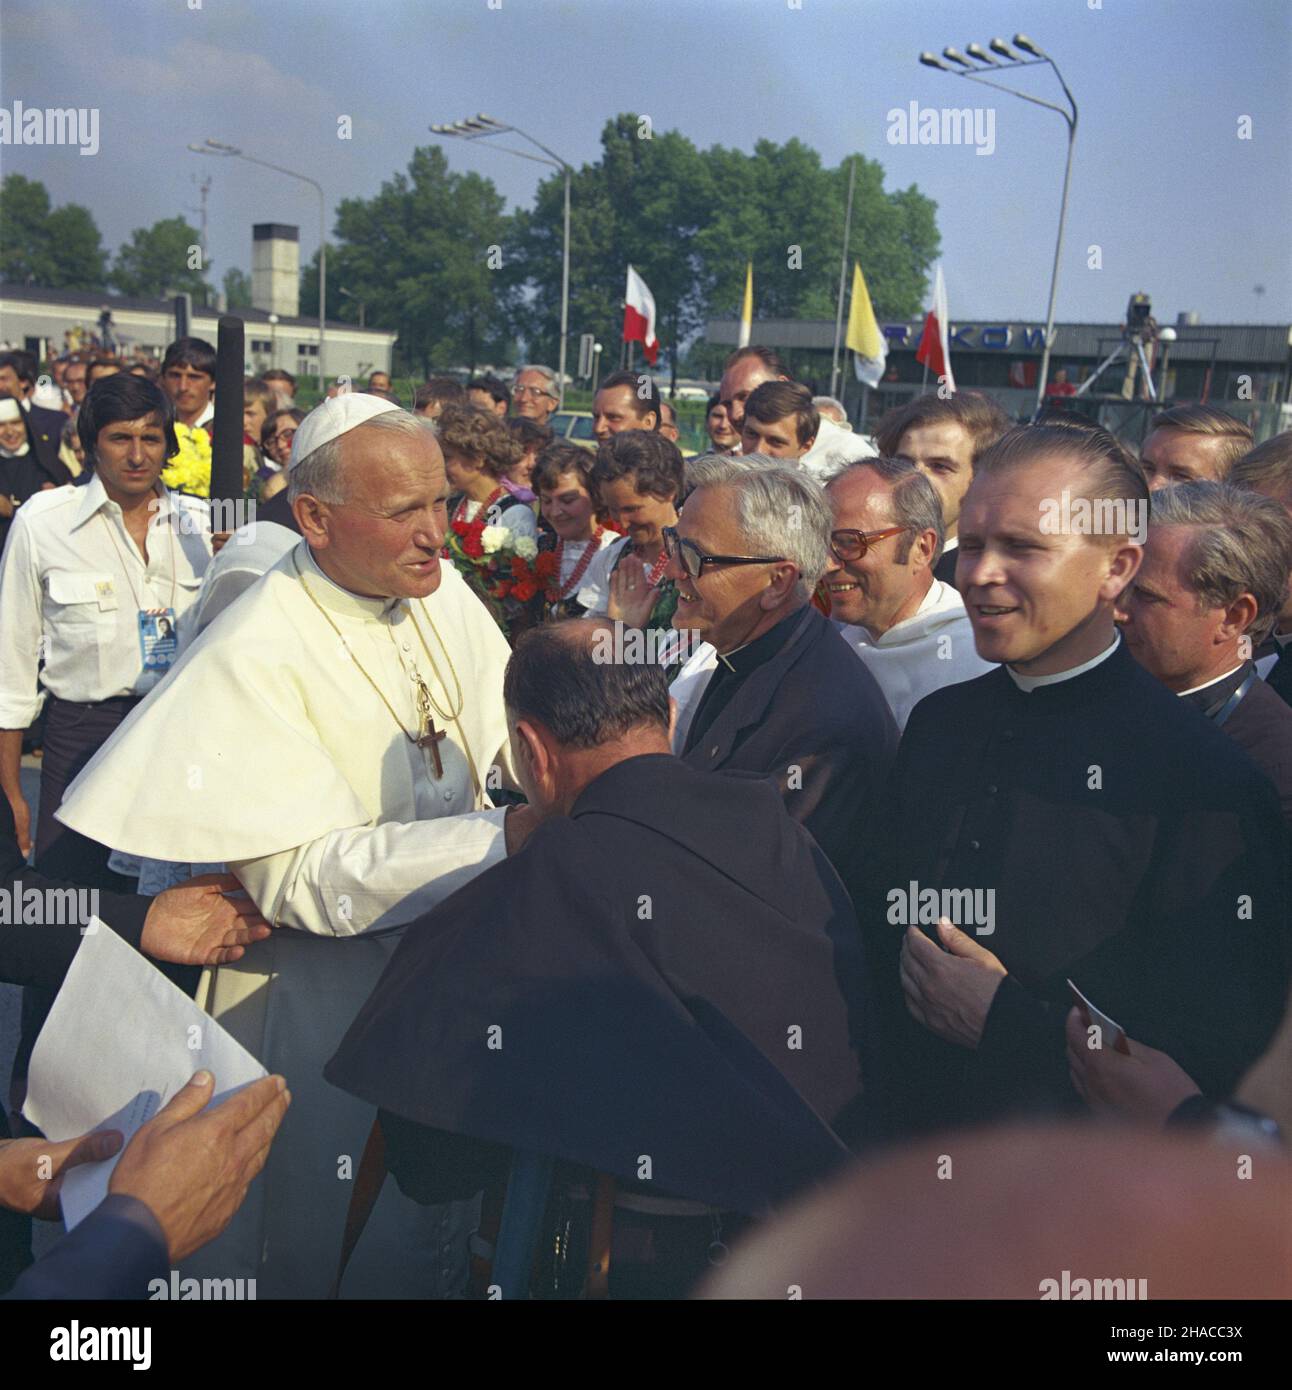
(276, 269)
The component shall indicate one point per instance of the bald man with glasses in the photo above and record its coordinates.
(908, 627)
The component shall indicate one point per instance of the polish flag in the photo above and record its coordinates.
(934, 349)
(639, 316)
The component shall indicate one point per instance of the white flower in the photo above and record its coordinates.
(525, 546)
(493, 538)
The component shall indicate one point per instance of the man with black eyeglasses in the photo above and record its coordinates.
(786, 699)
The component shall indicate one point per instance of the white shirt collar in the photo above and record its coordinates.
(1029, 683)
(332, 596)
(949, 545)
(1193, 689)
(205, 418)
(95, 497)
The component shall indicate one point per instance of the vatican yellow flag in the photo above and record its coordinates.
(869, 346)
(747, 309)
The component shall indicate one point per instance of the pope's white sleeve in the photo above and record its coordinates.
(20, 630)
(349, 881)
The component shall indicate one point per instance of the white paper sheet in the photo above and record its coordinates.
(119, 1042)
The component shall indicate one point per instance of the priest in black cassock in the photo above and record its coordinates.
(662, 987)
(1113, 836)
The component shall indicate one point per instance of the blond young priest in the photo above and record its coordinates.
(332, 736)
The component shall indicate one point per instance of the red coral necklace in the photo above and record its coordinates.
(555, 594)
(460, 511)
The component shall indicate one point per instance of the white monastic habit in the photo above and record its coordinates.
(834, 446)
(268, 748)
(932, 648)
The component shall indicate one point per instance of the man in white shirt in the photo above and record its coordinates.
(331, 737)
(92, 581)
(909, 629)
(89, 573)
(943, 439)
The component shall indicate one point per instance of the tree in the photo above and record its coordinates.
(160, 260)
(690, 221)
(59, 249)
(429, 257)
(237, 288)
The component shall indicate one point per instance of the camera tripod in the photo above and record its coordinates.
(1131, 343)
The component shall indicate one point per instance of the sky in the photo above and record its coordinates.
(1176, 202)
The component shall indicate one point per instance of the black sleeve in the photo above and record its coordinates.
(33, 953)
(432, 1166)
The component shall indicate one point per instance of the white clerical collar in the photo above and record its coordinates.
(1029, 683)
(331, 595)
(1193, 689)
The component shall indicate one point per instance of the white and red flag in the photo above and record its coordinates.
(934, 349)
(639, 316)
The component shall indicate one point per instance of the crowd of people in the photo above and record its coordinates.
(652, 839)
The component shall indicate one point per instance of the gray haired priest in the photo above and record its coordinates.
(331, 737)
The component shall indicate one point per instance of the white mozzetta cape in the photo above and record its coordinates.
(267, 738)
(266, 748)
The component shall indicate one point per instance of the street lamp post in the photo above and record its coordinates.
(1006, 59)
(477, 128)
(232, 152)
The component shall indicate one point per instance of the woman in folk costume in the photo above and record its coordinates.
(639, 478)
(563, 480)
(479, 450)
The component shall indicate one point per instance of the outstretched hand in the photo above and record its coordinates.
(197, 923)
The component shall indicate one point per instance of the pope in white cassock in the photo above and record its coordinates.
(331, 737)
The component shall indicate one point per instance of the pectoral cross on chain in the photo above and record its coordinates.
(429, 736)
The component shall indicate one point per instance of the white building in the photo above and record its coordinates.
(49, 322)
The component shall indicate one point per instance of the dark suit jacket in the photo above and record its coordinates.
(1279, 676)
(113, 1253)
(39, 954)
(45, 430)
(945, 569)
(813, 719)
(1261, 725)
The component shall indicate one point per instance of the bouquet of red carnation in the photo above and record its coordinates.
(506, 572)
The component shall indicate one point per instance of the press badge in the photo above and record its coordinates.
(157, 640)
